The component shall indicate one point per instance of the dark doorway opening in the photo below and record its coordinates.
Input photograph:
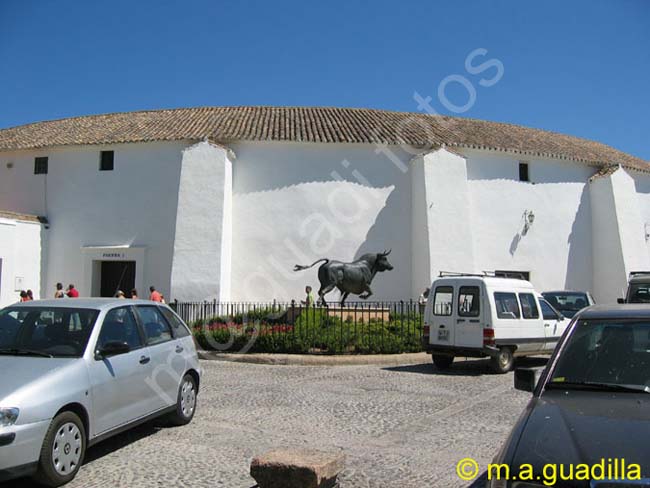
(117, 275)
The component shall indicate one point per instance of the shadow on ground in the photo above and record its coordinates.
(467, 367)
(102, 449)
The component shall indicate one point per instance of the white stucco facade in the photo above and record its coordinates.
(228, 222)
(21, 258)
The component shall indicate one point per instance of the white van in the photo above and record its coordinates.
(486, 316)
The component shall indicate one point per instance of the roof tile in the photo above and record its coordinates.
(311, 124)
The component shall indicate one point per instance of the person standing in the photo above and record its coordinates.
(30, 295)
(134, 294)
(155, 296)
(72, 291)
(23, 296)
(59, 293)
(120, 295)
(309, 299)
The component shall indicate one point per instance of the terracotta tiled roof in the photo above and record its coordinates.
(23, 217)
(311, 124)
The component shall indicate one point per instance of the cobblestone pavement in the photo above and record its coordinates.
(399, 426)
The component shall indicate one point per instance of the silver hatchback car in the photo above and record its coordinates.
(76, 371)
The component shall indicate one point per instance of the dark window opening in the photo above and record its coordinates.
(523, 172)
(106, 160)
(519, 275)
(40, 166)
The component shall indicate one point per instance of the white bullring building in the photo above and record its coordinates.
(221, 202)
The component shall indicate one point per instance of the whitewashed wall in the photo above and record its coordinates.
(202, 247)
(134, 205)
(294, 203)
(557, 250)
(642, 183)
(20, 251)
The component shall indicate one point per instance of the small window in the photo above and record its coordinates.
(468, 301)
(40, 166)
(180, 330)
(443, 300)
(523, 172)
(547, 311)
(106, 159)
(528, 306)
(518, 275)
(155, 326)
(507, 305)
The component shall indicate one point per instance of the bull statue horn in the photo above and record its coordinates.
(386, 253)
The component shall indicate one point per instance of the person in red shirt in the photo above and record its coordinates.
(155, 296)
(72, 291)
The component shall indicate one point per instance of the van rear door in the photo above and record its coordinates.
(468, 315)
(441, 319)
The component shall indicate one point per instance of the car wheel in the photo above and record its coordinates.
(503, 361)
(63, 450)
(442, 361)
(186, 403)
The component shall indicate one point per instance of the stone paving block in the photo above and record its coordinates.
(294, 468)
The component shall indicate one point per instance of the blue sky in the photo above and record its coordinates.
(580, 67)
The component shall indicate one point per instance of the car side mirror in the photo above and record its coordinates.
(526, 379)
(113, 348)
(620, 300)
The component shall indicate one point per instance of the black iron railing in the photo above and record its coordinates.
(355, 328)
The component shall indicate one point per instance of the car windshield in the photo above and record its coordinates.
(45, 331)
(605, 353)
(639, 293)
(568, 303)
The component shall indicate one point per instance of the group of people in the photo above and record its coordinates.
(72, 292)
(154, 295)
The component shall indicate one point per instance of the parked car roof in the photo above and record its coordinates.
(564, 291)
(641, 277)
(625, 311)
(94, 303)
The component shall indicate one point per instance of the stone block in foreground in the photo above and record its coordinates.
(293, 468)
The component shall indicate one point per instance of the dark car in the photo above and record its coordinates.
(590, 405)
(638, 288)
(569, 303)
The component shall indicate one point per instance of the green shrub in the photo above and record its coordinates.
(314, 331)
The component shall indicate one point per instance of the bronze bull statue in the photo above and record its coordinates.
(354, 277)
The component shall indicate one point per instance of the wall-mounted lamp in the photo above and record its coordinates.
(529, 219)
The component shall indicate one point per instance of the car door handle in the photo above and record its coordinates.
(144, 359)
(179, 348)
(547, 325)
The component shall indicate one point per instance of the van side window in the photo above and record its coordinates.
(528, 306)
(443, 300)
(468, 301)
(507, 305)
(547, 311)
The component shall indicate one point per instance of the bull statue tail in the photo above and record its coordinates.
(299, 267)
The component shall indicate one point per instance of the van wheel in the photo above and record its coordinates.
(442, 361)
(63, 450)
(503, 361)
